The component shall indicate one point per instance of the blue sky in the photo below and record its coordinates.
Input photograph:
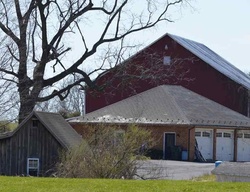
(222, 25)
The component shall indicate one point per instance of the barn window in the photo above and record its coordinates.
(35, 123)
(166, 60)
(33, 166)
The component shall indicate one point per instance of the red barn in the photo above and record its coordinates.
(174, 60)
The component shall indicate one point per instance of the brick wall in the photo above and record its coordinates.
(185, 135)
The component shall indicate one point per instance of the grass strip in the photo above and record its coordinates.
(33, 184)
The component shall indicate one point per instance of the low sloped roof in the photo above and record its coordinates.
(167, 104)
(56, 125)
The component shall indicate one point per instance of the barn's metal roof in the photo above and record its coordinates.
(168, 104)
(214, 60)
(56, 125)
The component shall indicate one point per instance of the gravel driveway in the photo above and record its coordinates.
(175, 170)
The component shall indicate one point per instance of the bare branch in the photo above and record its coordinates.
(82, 36)
(9, 33)
(33, 39)
(8, 72)
(18, 12)
(59, 93)
(71, 19)
(105, 10)
(12, 54)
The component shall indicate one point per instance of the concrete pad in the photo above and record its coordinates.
(175, 170)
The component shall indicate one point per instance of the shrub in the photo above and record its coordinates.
(106, 152)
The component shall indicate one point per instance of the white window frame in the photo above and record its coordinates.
(206, 134)
(34, 167)
(246, 136)
(166, 60)
(227, 135)
(198, 134)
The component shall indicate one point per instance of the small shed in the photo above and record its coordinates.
(233, 172)
(34, 147)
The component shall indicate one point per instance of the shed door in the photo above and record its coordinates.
(204, 138)
(243, 146)
(224, 145)
(169, 142)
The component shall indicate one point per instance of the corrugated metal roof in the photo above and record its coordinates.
(214, 60)
(168, 104)
(56, 125)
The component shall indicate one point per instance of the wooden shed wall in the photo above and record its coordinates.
(28, 142)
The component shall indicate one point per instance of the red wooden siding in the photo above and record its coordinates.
(188, 70)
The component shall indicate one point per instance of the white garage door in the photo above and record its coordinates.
(204, 138)
(243, 146)
(224, 145)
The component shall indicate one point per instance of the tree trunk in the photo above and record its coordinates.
(27, 105)
(28, 94)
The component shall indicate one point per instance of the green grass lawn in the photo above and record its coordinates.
(29, 184)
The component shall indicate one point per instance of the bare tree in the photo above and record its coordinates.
(37, 40)
(75, 101)
(72, 104)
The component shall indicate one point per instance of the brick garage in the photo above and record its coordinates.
(181, 116)
(184, 139)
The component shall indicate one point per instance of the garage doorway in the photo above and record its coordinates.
(225, 145)
(169, 141)
(204, 138)
(243, 146)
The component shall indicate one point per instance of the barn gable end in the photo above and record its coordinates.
(192, 65)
